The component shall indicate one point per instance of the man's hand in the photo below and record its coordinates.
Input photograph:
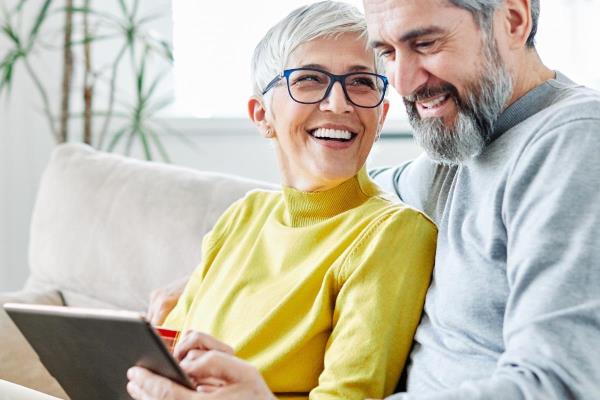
(240, 380)
(163, 300)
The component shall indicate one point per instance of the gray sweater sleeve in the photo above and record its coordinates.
(551, 332)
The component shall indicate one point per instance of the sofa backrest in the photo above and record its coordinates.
(106, 229)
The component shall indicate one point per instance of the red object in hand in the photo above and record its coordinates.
(169, 337)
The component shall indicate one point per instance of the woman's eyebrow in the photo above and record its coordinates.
(353, 68)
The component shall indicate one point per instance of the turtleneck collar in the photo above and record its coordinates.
(307, 208)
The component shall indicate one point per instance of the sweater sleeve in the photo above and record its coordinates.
(210, 248)
(382, 286)
(552, 319)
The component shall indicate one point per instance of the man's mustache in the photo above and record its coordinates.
(427, 92)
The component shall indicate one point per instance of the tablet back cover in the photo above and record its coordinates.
(90, 355)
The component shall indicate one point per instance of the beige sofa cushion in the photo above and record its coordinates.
(18, 361)
(107, 229)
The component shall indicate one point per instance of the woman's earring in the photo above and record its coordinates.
(269, 133)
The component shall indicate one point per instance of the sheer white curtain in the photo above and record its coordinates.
(214, 42)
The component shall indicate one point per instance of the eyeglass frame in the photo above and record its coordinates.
(333, 78)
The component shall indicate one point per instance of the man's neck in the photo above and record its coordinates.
(528, 74)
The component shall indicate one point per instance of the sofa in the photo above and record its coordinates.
(106, 230)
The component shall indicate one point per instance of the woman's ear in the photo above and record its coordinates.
(382, 117)
(258, 115)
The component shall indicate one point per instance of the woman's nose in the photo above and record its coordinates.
(336, 101)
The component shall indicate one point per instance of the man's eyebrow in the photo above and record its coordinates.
(410, 35)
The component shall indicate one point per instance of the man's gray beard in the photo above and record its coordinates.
(472, 129)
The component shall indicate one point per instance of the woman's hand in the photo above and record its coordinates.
(239, 380)
(191, 346)
(163, 300)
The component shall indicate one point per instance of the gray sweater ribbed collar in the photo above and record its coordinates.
(531, 103)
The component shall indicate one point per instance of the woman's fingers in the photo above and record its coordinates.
(198, 341)
(163, 300)
(217, 365)
(144, 385)
(239, 380)
(159, 309)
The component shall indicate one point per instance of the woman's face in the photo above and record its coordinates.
(312, 163)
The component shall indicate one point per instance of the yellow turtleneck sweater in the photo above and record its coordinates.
(321, 291)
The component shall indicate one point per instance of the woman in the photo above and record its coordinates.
(319, 286)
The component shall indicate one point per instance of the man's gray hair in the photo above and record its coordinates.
(483, 11)
(318, 20)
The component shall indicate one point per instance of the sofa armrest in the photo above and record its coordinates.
(18, 361)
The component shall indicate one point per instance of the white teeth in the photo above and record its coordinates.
(332, 134)
(436, 101)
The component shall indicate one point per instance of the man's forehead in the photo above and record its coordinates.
(409, 17)
(379, 5)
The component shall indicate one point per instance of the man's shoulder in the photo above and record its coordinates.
(573, 103)
(572, 115)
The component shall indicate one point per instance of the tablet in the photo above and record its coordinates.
(89, 351)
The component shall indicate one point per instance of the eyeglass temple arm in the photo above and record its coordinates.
(272, 83)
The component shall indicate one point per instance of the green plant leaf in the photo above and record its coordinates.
(153, 86)
(93, 39)
(150, 18)
(140, 76)
(144, 140)
(20, 5)
(123, 8)
(39, 20)
(134, 9)
(115, 139)
(160, 104)
(6, 71)
(159, 146)
(10, 32)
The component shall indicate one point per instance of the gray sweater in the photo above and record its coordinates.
(513, 311)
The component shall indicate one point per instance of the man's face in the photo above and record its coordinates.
(447, 68)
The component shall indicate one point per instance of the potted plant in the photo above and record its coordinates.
(113, 116)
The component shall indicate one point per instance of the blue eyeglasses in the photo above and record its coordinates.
(311, 85)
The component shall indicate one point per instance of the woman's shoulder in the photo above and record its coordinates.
(260, 198)
(393, 212)
(253, 204)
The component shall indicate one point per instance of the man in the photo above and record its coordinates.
(510, 176)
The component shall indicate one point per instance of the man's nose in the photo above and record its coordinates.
(336, 101)
(406, 74)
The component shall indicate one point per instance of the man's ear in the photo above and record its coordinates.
(517, 22)
(258, 115)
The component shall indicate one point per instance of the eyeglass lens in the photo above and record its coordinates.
(307, 86)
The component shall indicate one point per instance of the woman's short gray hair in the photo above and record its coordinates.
(483, 11)
(318, 20)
